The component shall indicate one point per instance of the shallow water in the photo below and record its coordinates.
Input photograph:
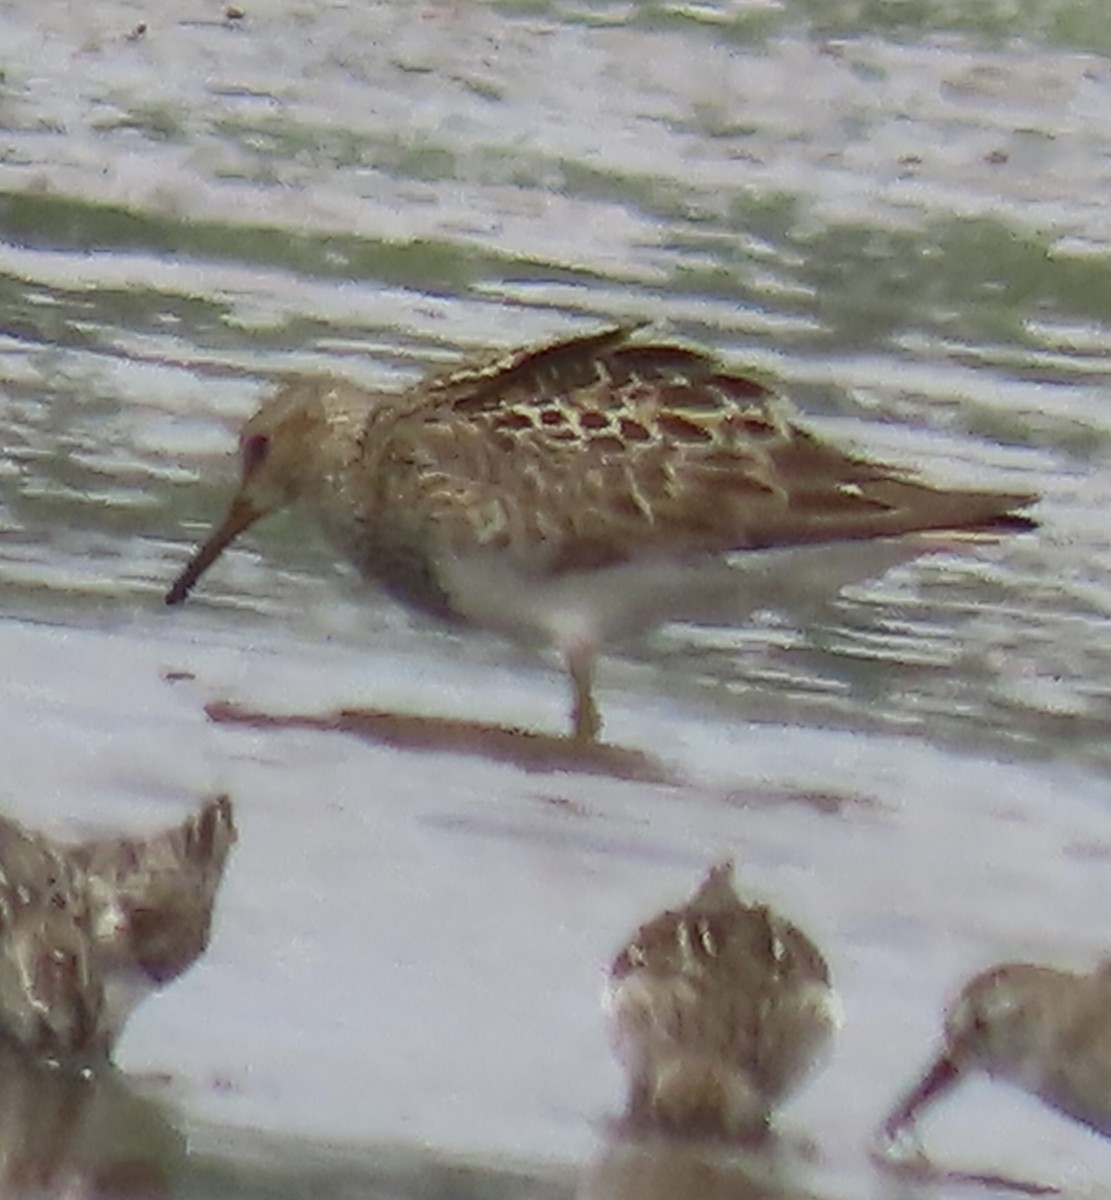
(895, 211)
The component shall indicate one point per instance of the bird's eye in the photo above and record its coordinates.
(253, 452)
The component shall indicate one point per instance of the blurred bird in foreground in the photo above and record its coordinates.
(1044, 1030)
(719, 1010)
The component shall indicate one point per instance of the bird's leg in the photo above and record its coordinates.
(584, 712)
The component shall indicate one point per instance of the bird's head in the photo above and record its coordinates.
(275, 462)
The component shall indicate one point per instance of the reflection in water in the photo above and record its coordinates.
(87, 930)
(525, 748)
(669, 1170)
(720, 1009)
(74, 1134)
(244, 1164)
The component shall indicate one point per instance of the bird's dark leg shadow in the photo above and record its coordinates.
(523, 748)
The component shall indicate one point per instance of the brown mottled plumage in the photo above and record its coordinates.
(567, 494)
(87, 930)
(719, 1010)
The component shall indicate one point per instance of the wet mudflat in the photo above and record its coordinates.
(897, 215)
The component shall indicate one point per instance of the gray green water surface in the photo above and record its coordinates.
(897, 211)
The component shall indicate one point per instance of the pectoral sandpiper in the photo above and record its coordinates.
(87, 930)
(567, 495)
(1043, 1030)
(719, 1010)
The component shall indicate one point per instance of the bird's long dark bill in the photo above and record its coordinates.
(938, 1079)
(241, 515)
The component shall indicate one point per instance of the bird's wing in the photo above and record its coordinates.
(599, 450)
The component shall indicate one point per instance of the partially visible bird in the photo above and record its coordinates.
(153, 897)
(87, 930)
(718, 1010)
(1044, 1030)
(52, 1000)
(571, 495)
